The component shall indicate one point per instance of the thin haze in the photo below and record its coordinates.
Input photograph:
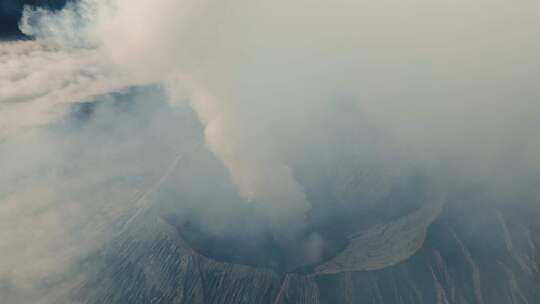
(451, 86)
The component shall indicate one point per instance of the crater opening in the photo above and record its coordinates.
(259, 247)
(246, 240)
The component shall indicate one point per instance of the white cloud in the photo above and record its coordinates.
(38, 79)
(444, 82)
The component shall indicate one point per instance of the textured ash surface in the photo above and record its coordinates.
(464, 259)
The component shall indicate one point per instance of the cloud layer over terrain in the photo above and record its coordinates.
(278, 86)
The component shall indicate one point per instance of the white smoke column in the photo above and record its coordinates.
(176, 43)
(453, 80)
(436, 77)
(152, 41)
(246, 149)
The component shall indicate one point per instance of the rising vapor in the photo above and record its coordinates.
(388, 86)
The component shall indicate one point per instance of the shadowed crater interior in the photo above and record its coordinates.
(247, 241)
